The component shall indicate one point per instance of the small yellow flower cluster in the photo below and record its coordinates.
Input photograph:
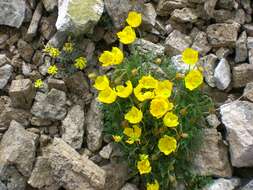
(80, 63)
(52, 51)
(38, 83)
(68, 47)
(52, 70)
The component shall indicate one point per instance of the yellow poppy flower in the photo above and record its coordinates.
(38, 83)
(193, 79)
(134, 134)
(52, 70)
(80, 63)
(117, 138)
(106, 58)
(101, 82)
(134, 115)
(170, 120)
(124, 92)
(190, 56)
(142, 96)
(134, 19)
(107, 96)
(167, 144)
(164, 89)
(144, 166)
(127, 35)
(159, 106)
(68, 47)
(118, 56)
(148, 82)
(153, 186)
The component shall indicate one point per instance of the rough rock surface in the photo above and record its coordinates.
(248, 91)
(238, 120)
(242, 74)
(222, 74)
(224, 184)
(5, 75)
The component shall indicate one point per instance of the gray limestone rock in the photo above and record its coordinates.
(222, 74)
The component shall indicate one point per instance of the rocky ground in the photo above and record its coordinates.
(52, 138)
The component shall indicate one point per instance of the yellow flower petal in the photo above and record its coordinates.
(80, 63)
(127, 35)
(190, 56)
(148, 82)
(52, 70)
(170, 120)
(117, 138)
(142, 96)
(107, 96)
(144, 166)
(193, 79)
(134, 115)
(124, 92)
(118, 56)
(101, 82)
(134, 19)
(106, 58)
(159, 106)
(164, 89)
(153, 186)
(38, 83)
(167, 144)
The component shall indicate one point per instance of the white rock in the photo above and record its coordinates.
(222, 74)
(224, 184)
(5, 75)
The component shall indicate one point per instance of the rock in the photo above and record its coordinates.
(5, 75)
(77, 84)
(240, 16)
(224, 184)
(106, 151)
(250, 42)
(179, 64)
(116, 176)
(57, 84)
(32, 30)
(209, 7)
(212, 158)
(3, 40)
(26, 69)
(222, 74)
(22, 93)
(249, 29)
(224, 16)
(71, 170)
(78, 16)
(213, 120)
(12, 179)
(50, 5)
(242, 74)
(241, 48)
(222, 53)
(238, 120)
(50, 106)
(226, 4)
(248, 91)
(42, 176)
(165, 7)
(201, 44)
(47, 27)
(222, 35)
(148, 47)
(18, 148)
(246, 6)
(58, 39)
(8, 113)
(4, 60)
(118, 11)
(129, 186)
(209, 64)
(25, 50)
(251, 56)
(149, 16)
(2, 186)
(176, 43)
(184, 15)
(73, 127)
(249, 186)
(94, 127)
(13, 12)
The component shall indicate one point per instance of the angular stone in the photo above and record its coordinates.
(50, 5)
(238, 120)
(71, 170)
(57, 84)
(249, 29)
(248, 186)
(12, 12)
(223, 184)
(176, 43)
(22, 93)
(246, 6)
(25, 50)
(47, 27)
(184, 15)
(222, 35)
(213, 120)
(73, 127)
(5, 75)
(248, 91)
(106, 151)
(240, 16)
(209, 7)
(4, 60)
(78, 16)
(223, 53)
(242, 74)
(149, 16)
(251, 56)
(212, 158)
(94, 124)
(129, 186)
(118, 11)
(165, 7)
(42, 176)
(226, 4)
(201, 44)
(250, 42)
(58, 39)
(148, 47)
(209, 64)
(50, 106)
(2, 186)
(222, 74)
(223, 16)
(241, 50)
(18, 148)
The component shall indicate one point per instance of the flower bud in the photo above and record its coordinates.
(158, 61)
(134, 72)
(183, 111)
(179, 76)
(92, 76)
(118, 80)
(184, 135)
